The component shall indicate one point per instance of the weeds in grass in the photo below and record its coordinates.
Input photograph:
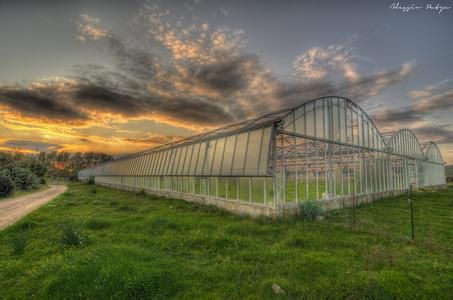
(96, 224)
(72, 234)
(94, 190)
(141, 193)
(312, 209)
(19, 242)
(158, 285)
(70, 202)
(127, 208)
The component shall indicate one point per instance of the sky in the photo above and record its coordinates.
(124, 76)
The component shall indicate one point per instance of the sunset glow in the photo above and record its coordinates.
(121, 78)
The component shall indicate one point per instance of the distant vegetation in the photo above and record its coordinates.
(23, 172)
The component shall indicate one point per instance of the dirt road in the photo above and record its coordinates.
(13, 209)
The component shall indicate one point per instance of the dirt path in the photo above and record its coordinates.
(13, 209)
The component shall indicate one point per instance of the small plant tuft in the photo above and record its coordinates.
(312, 210)
(94, 190)
(19, 242)
(72, 234)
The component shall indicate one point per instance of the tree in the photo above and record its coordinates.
(23, 178)
(6, 186)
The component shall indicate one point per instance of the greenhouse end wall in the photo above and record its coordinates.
(326, 150)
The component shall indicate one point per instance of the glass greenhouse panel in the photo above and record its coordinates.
(239, 155)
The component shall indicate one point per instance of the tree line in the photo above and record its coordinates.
(19, 171)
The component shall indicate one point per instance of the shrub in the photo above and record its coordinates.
(19, 242)
(38, 168)
(71, 234)
(24, 179)
(6, 186)
(312, 209)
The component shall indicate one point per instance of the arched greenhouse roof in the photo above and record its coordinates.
(288, 115)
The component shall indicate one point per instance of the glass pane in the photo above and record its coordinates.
(239, 156)
(201, 157)
(319, 119)
(300, 120)
(177, 154)
(310, 120)
(218, 156)
(181, 160)
(228, 155)
(342, 127)
(244, 189)
(188, 159)
(253, 149)
(209, 157)
(193, 161)
(264, 156)
(336, 123)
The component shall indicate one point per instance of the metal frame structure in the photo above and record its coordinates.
(323, 149)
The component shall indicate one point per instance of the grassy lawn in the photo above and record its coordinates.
(140, 246)
(19, 193)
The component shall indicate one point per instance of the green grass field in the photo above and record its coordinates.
(138, 246)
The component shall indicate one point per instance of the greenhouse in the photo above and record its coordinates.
(327, 149)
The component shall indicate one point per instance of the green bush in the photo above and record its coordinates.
(311, 209)
(72, 234)
(6, 186)
(23, 178)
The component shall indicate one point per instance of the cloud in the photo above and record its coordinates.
(224, 12)
(39, 101)
(90, 28)
(372, 85)
(318, 63)
(388, 115)
(154, 139)
(425, 102)
(441, 134)
(31, 145)
(337, 66)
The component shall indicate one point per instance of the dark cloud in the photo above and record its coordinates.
(39, 102)
(30, 145)
(441, 134)
(99, 98)
(417, 110)
(388, 115)
(230, 75)
(195, 110)
(294, 93)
